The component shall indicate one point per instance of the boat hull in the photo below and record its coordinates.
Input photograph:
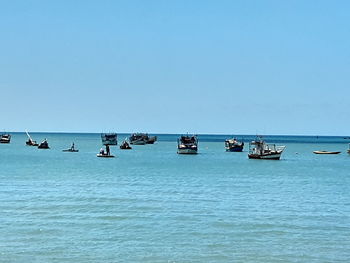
(71, 151)
(43, 147)
(235, 149)
(141, 142)
(325, 152)
(105, 156)
(125, 148)
(4, 141)
(187, 151)
(276, 156)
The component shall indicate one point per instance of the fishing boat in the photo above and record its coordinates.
(71, 149)
(5, 138)
(108, 139)
(44, 145)
(142, 139)
(258, 149)
(125, 145)
(30, 141)
(187, 145)
(325, 152)
(232, 145)
(138, 139)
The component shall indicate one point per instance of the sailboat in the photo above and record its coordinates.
(30, 141)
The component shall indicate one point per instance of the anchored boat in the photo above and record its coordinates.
(142, 139)
(5, 138)
(258, 149)
(30, 141)
(325, 152)
(108, 139)
(187, 145)
(44, 145)
(125, 145)
(232, 145)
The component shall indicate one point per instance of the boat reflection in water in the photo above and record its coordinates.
(187, 145)
(258, 149)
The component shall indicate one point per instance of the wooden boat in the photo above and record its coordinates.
(30, 141)
(187, 145)
(138, 139)
(44, 145)
(125, 145)
(232, 145)
(109, 138)
(5, 138)
(71, 149)
(142, 139)
(258, 149)
(325, 152)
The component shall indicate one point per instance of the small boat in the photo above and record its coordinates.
(44, 145)
(325, 152)
(71, 149)
(5, 138)
(30, 141)
(232, 145)
(258, 149)
(125, 145)
(187, 145)
(105, 154)
(107, 140)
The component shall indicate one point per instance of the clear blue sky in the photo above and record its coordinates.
(267, 67)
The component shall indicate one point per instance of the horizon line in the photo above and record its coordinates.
(161, 133)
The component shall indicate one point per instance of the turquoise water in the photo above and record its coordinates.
(151, 205)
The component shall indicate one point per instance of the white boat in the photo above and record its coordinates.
(187, 145)
(258, 149)
(325, 152)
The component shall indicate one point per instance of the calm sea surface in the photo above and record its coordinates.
(151, 205)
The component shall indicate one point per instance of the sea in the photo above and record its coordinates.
(150, 204)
